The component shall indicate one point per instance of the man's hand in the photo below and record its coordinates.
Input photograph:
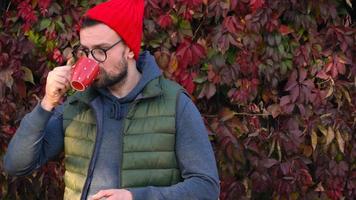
(58, 83)
(113, 194)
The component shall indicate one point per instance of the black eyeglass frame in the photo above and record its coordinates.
(87, 51)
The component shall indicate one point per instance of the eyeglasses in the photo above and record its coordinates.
(99, 54)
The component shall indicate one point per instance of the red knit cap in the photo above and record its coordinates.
(123, 16)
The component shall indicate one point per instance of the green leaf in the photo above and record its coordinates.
(33, 37)
(278, 39)
(155, 43)
(281, 49)
(42, 40)
(28, 76)
(289, 64)
(68, 19)
(44, 24)
(284, 68)
(84, 3)
(231, 55)
(55, 8)
(185, 28)
(50, 45)
(174, 18)
(200, 79)
(60, 24)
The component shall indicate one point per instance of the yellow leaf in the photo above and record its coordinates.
(226, 114)
(173, 64)
(6, 77)
(314, 139)
(272, 147)
(294, 196)
(330, 92)
(340, 141)
(319, 188)
(28, 75)
(330, 136)
(323, 130)
(325, 115)
(279, 151)
(308, 150)
(346, 94)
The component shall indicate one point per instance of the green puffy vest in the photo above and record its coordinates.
(148, 140)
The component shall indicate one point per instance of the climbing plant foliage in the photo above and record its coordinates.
(273, 79)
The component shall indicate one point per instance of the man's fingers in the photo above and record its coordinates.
(70, 61)
(62, 80)
(101, 194)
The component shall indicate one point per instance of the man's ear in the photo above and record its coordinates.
(131, 54)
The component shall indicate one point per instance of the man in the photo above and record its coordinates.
(132, 135)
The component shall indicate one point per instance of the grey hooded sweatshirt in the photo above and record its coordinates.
(40, 138)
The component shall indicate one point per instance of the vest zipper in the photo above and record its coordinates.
(88, 180)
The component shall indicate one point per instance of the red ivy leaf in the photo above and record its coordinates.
(188, 14)
(154, 4)
(26, 12)
(57, 56)
(192, 3)
(189, 53)
(44, 3)
(208, 91)
(198, 52)
(186, 79)
(268, 163)
(165, 20)
(256, 4)
(231, 24)
(292, 81)
(21, 88)
(285, 30)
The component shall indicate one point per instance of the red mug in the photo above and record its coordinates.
(85, 70)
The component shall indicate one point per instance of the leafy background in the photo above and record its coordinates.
(273, 79)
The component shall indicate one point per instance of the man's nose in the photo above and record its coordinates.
(91, 56)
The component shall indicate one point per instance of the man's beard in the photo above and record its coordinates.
(107, 81)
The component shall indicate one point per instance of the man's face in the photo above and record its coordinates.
(114, 69)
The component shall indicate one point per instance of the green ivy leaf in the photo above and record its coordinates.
(55, 8)
(44, 24)
(33, 37)
(50, 45)
(84, 3)
(68, 20)
(281, 49)
(174, 18)
(200, 79)
(231, 55)
(185, 28)
(60, 24)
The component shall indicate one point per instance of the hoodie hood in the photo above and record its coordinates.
(149, 69)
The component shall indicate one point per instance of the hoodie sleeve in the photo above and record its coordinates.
(195, 157)
(38, 139)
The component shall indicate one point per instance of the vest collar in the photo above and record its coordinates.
(86, 96)
(152, 89)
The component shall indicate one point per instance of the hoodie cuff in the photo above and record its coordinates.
(138, 193)
(39, 117)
